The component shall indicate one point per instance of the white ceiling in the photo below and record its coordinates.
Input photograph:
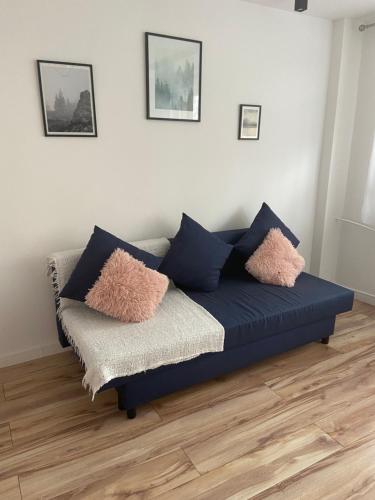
(329, 9)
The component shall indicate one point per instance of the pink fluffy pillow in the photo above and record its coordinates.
(126, 289)
(276, 261)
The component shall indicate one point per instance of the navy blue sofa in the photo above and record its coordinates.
(259, 321)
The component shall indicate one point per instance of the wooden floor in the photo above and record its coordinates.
(296, 426)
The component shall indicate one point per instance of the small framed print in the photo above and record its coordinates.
(67, 95)
(173, 78)
(249, 125)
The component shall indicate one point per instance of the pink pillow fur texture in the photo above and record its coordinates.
(126, 289)
(276, 261)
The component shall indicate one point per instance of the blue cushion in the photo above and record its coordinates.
(230, 236)
(265, 220)
(196, 257)
(98, 250)
(250, 311)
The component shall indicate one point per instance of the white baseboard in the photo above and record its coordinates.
(360, 295)
(30, 354)
(365, 297)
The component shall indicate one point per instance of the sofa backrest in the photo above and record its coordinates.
(230, 236)
(156, 246)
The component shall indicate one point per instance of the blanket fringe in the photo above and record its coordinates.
(52, 273)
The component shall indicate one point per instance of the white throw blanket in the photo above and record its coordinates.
(180, 330)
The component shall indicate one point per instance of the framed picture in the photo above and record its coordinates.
(249, 122)
(67, 95)
(173, 78)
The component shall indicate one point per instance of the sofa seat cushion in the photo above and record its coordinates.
(250, 310)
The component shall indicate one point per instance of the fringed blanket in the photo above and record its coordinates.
(179, 331)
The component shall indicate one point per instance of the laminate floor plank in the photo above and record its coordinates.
(347, 474)
(264, 467)
(352, 424)
(9, 489)
(22, 370)
(347, 324)
(284, 417)
(293, 361)
(272, 493)
(43, 380)
(361, 307)
(5, 438)
(206, 394)
(353, 340)
(55, 421)
(295, 426)
(62, 466)
(38, 402)
(77, 445)
(324, 373)
(146, 480)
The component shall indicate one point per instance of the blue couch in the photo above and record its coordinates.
(259, 321)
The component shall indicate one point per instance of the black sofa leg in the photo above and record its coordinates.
(131, 413)
(121, 402)
(325, 340)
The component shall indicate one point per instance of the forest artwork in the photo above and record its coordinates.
(249, 125)
(173, 78)
(67, 94)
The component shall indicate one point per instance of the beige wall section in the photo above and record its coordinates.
(342, 251)
(138, 175)
(338, 132)
(328, 140)
(356, 262)
(356, 267)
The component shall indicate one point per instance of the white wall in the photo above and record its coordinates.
(338, 133)
(138, 175)
(356, 261)
(364, 126)
(344, 252)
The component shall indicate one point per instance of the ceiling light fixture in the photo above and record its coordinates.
(300, 5)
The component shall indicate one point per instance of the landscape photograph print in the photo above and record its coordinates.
(249, 122)
(173, 77)
(67, 97)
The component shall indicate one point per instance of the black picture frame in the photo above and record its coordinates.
(150, 113)
(46, 124)
(241, 135)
